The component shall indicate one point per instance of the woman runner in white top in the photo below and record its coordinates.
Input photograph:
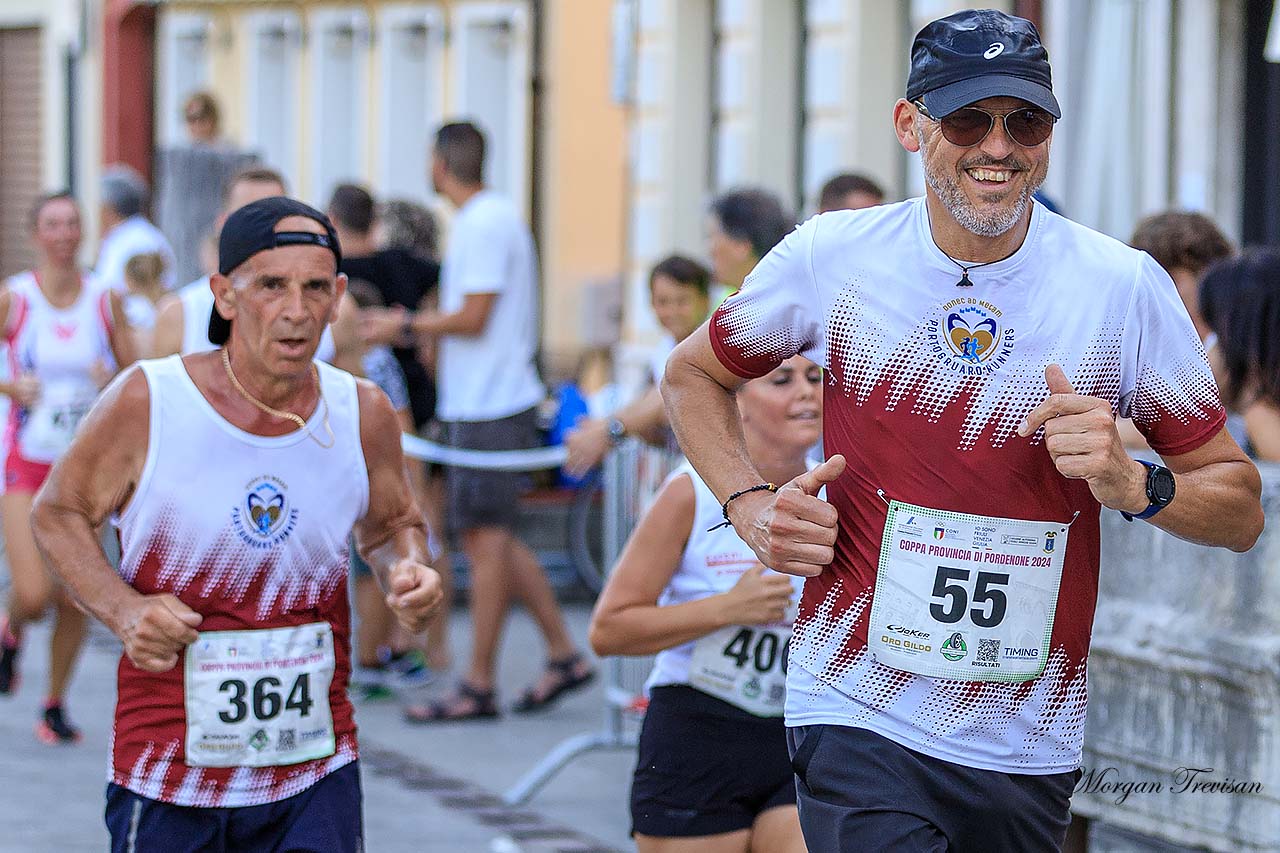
(713, 774)
(67, 334)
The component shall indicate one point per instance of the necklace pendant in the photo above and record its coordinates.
(964, 280)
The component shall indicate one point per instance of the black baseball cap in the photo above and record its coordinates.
(252, 229)
(980, 53)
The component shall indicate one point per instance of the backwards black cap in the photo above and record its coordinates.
(252, 229)
(980, 53)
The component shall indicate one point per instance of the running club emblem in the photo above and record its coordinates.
(970, 338)
(264, 518)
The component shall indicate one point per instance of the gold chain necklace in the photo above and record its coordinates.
(277, 413)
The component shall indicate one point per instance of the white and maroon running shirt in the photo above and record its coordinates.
(59, 346)
(251, 532)
(928, 383)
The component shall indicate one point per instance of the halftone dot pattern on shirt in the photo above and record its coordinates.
(928, 385)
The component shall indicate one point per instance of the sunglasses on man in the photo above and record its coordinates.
(966, 127)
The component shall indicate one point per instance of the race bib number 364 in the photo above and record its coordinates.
(259, 698)
(967, 597)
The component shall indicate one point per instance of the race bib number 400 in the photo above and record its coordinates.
(745, 666)
(259, 698)
(965, 596)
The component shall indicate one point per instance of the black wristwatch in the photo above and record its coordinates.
(1161, 489)
(617, 431)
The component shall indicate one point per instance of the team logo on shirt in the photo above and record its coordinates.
(969, 337)
(264, 518)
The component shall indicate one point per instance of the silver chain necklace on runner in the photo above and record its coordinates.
(277, 413)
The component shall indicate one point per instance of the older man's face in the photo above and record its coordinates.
(986, 187)
(282, 299)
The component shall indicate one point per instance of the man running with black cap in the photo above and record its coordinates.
(978, 349)
(235, 478)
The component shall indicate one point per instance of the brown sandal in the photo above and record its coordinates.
(483, 703)
(566, 681)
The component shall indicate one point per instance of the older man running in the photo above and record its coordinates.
(235, 478)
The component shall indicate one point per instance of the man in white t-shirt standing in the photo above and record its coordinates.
(488, 388)
(978, 348)
(126, 231)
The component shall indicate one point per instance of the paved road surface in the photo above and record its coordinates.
(427, 788)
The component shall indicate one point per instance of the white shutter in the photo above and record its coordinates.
(339, 99)
(491, 87)
(183, 64)
(410, 98)
(271, 90)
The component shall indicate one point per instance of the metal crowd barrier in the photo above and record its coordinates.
(1182, 740)
(632, 475)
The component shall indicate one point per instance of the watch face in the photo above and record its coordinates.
(1160, 486)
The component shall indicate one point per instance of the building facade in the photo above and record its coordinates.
(785, 93)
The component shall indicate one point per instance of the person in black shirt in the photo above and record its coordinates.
(402, 278)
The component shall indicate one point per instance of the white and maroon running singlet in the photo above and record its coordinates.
(250, 532)
(60, 347)
(927, 385)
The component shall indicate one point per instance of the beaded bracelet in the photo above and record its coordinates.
(724, 507)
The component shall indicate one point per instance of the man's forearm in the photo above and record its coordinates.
(646, 417)
(438, 323)
(73, 552)
(1216, 505)
(707, 424)
(408, 542)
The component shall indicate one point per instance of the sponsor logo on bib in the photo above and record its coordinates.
(954, 648)
(1049, 539)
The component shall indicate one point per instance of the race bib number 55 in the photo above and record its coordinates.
(259, 698)
(967, 597)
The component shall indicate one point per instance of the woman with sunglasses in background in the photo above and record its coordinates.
(713, 773)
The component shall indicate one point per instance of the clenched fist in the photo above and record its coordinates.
(414, 593)
(155, 629)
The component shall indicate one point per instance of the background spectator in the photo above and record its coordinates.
(402, 278)
(489, 388)
(202, 118)
(1185, 244)
(407, 225)
(126, 231)
(849, 191)
(191, 180)
(680, 295)
(144, 277)
(1240, 301)
(742, 226)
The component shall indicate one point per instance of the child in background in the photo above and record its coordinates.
(144, 277)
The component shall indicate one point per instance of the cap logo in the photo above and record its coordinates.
(995, 50)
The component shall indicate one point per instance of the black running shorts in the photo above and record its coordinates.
(706, 767)
(863, 793)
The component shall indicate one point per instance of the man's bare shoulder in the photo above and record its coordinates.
(376, 412)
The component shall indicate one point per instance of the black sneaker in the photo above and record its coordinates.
(53, 728)
(8, 660)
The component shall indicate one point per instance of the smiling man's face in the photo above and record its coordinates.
(986, 187)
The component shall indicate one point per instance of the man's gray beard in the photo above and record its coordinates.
(957, 204)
